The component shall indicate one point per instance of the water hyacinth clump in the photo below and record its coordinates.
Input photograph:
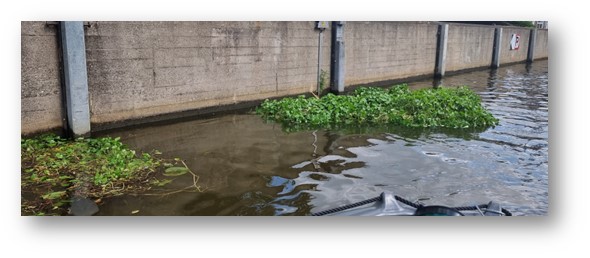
(53, 168)
(427, 108)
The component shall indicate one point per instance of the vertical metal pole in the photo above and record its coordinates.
(532, 41)
(319, 60)
(497, 48)
(337, 58)
(75, 77)
(441, 50)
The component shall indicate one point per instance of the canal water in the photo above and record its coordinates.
(249, 167)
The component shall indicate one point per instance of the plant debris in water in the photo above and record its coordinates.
(54, 171)
(426, 108)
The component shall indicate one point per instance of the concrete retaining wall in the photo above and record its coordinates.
(139, 69)
(144, 69)
(508, 55)
(469, 46)
(542, 44)
(378, 51)
(41, 105)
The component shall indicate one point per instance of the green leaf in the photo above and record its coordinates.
(53, 195)
(176, 171)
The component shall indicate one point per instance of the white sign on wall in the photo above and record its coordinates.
(515, 42)
(322, 25)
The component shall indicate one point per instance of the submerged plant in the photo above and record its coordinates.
(433, 108)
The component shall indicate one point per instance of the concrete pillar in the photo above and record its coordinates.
(532, 40)
(497, 48)
(337, 58)
(75, 77)
(441, 50)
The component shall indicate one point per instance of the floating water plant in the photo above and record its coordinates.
(427, 108)
(55, 170)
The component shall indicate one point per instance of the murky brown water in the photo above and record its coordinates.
(253, 168)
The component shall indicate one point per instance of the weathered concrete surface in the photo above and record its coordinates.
(41, 105)
(508, 55)
(379, 51)
(146, 69)
(542, 44)
(469, 46)
(139, 69)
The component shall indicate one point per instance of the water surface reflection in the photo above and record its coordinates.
(254, 168)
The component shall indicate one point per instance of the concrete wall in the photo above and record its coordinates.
(516, 55)
(542, 44)
(144, 69)
(139, 69)
(469, 46)
(41, 105)
(378, 51)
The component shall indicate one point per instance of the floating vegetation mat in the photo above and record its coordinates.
(56, 171)
(425, 108)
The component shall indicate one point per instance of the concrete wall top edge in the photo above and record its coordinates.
(489, 26)
(451, 23)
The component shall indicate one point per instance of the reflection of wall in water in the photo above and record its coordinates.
(236, 146)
